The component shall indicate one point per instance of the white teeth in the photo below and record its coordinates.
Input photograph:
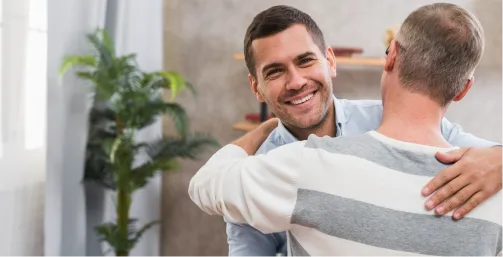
(302, 100)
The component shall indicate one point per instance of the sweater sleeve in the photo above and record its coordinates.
(260, 190)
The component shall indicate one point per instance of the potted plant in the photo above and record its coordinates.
(126, 100)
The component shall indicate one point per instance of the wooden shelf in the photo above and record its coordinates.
(245, 126)
(361, 61)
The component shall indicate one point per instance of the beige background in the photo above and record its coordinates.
(200, 39)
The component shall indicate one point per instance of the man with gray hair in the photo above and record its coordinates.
(357, 195)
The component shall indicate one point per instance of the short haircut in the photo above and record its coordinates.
(275, 20)
(439, 46)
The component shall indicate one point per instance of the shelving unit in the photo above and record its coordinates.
(245, 126)
(355, 61)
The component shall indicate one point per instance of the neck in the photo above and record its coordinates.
(326, 127)
(414, 118)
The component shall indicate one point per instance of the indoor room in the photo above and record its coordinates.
(168, 127)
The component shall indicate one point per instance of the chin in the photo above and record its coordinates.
(308, 123)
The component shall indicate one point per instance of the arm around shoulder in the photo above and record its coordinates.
(456, 136)
(258, 190)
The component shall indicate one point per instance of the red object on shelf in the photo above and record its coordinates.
(346, 51)
(255, 117)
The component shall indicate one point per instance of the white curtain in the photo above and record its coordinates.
(65, 223)
(23, 54)
(43, 123)
(136, 26)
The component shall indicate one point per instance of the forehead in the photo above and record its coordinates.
(283, 47)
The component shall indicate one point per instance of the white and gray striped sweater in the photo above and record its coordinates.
(356, 195)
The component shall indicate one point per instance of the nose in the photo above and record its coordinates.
(296, 80)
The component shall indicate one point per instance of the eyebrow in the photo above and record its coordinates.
(271, 65)
(277, 64)
(304, 55)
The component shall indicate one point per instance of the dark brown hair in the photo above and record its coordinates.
(275, 20)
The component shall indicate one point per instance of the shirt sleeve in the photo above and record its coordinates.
(259, 190)
(455, 135)
(245, 240)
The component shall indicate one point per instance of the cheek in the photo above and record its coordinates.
(272, 91)
(319, 73)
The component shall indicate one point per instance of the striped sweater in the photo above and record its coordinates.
(357, 195)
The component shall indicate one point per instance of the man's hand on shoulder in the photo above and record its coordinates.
(252, 140)
(475, 176)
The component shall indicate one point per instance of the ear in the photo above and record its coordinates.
(254, 88)
(331, 62)
(391, 56)
(465, 90)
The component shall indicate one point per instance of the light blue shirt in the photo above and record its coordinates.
(353, 117)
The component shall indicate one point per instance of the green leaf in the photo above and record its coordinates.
(179, 117)
(70, 61)
(85, 75)
(105, 53)
(143, 229)
(142, 174)
(114, 148)
(176, 82)
(81, 60)
(172, 147)
(192, 89)
(109, 145)
(107, 41)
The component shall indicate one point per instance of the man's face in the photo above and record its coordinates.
(293, 77)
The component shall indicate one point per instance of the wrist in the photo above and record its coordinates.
(254, 139)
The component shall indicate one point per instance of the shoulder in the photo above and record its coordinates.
(360, 115)
(337, 144)
(273, 141)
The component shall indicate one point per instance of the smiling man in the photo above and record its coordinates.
(291, 69)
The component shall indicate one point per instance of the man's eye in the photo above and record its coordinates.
(272, 72)
(305, 60)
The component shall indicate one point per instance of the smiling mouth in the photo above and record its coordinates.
(303, 100)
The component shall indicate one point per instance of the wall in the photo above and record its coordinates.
(200, 40)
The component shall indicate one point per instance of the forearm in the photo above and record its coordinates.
(258, 190)
(206, 187)
(456, 136)
(241, 194)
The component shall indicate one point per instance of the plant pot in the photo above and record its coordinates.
(95, 212)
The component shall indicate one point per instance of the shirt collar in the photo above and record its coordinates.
(340, 120)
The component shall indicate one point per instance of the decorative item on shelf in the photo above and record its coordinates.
(256, 117)
(390, 34)
(245, 126)
(346, 51)
(126, 100)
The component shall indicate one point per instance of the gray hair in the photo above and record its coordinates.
(439, 46)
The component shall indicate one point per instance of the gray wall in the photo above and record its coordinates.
(200, 39)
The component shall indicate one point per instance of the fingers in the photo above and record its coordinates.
(446, 191)
(473, 202)
(441, 179)
(459, 198)
(451, 156)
